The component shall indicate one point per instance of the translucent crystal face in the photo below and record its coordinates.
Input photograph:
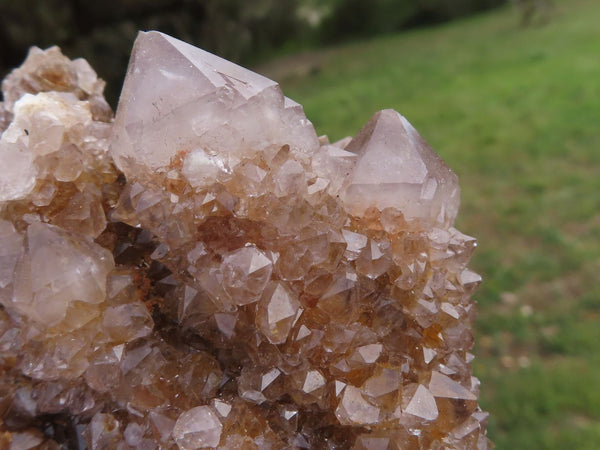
(198, 428)
(180, 99)
(397, 169)
(204, 272)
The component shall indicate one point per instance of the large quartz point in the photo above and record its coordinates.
(203, 271)
(179, 99)
(397, 169)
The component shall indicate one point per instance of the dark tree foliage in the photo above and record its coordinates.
(358, 18)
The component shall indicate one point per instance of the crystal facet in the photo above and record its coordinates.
(197, 428)
(413, 179)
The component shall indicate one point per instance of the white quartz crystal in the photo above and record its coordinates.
(43, 291)
(180, 99)
(197, 428)
(397, 169)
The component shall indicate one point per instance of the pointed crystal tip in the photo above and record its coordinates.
(396, 168)
(178, 99)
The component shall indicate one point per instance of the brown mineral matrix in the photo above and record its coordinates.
(203, 271)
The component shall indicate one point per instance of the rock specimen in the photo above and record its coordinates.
(204, 272)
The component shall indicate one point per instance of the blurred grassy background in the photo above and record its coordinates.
(515, 111)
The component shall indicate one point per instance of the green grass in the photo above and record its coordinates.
(516, 113)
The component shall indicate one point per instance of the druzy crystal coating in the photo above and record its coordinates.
(203, 271)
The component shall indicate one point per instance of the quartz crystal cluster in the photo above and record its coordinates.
(203, 271)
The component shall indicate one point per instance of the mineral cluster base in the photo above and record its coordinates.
(203, 271)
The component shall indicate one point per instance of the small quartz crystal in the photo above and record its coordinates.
(203, 271)
(197, 428)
